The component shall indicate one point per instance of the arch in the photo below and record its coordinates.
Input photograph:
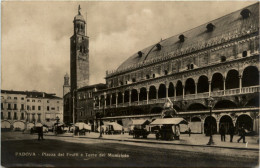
(162, 91)
(217, 82)
(120, 98)
(232, 79)
(196, 107)
(171, 90)
(143, 94)
(224, 104)
(254, 102)
(203, 84)
(126, 96)
(207, 123)
(152, 92)
(226, 121)
(134, 95)
(156, 110)
(113, 98)
(250, 76)
(246, 121)
(19, 125)
(179, 88)
(189, 86)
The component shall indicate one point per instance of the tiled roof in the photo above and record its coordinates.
(98, 86)
(230, 23)
(32, 94)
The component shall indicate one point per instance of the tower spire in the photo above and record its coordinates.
(79, 10)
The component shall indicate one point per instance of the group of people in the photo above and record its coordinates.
(231, 132)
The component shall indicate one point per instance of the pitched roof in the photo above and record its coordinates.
(228, 24)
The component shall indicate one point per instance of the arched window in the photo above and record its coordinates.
(244, 54)
(165, 72)
(147, 76)
(223, 58)
(80, 48)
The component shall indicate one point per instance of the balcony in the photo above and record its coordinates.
(219, 93)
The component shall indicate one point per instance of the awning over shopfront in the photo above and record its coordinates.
(82, 125)
(116, 126)
(140, 122)
(168, 121)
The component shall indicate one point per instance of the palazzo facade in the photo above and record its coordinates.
(219, 59)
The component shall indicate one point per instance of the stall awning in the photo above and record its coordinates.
(169, 121)
(116, 126)
(140, 122)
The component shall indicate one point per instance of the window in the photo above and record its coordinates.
(22, 106)
(80, 48)
(244, 54)
(9, 106)
(2, 97)
(153, 75)
(8, 97)
(223, 59)
(15, 116)
(22, 98)
(48, 101)
(39, 107)
(53, 108)
(33, 107)
(190, 66)
(22, 116)
(147, 77)
(33, 100)
(28, 107)
(15, 98)
(15, 106)
(58, 102)
(48, 108)
(2, 115)
(28, 100)
(9, 115)
(165, 72)
(133, 80)
(2, 106)
(39, 101)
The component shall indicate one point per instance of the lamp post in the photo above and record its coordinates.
(210, 104)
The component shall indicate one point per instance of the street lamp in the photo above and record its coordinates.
(210, 105)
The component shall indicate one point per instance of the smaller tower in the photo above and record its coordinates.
(66, 85)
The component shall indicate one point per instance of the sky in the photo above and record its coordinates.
(35, 42)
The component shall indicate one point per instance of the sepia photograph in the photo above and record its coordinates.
(130, 83)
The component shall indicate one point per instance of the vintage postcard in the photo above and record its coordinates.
(130, 84)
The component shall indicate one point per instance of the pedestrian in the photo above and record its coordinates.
(242, 135)
(231, 132)
(222, 132)
(189, 131)
(40, 133)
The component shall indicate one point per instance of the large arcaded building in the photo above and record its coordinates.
(219, 59)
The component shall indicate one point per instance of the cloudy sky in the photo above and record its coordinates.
(35, 36)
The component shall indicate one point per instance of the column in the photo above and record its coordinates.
(123, 101)
(156, 93)
(202, 126)
(147, 97)
(209, 88)
(240, 83)
(130, 93)
(116, 98)
(196, 88)
(174, 93)
(224, 85)
(110, 101)
(217, 126)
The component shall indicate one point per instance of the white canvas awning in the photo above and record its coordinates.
(169, 121)
(139, 122)
(116, 126)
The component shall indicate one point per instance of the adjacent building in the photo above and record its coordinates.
(219, 59)
(20, 109)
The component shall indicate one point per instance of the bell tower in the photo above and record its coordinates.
(66, 85)
(79, 53)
